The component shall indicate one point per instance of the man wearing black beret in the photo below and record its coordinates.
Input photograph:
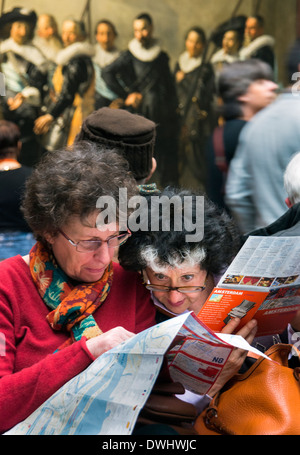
(131, 135)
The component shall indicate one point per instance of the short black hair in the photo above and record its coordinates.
(293, 59)
(235, 80)
(107, 22)
(260, 19)
(9, 137)
(220, 242)
(199, 31)
(144, 17)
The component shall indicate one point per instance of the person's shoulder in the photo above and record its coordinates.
(164, 54)
(127, 283)
(75, 54)
(13, 266)
(288, 100)
(121, 273)
(263, 115)
(293, 231)
(163, 57)
(234, 127)
(25, 170)
(282, 109)
(125, 54)
(124, 58)
(78, 61)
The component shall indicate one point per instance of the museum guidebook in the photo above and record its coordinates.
(94, 402)
(262, 282)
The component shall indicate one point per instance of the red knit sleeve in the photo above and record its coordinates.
(29, 370)
(24, 389)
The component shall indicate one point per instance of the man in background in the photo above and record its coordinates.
(25, 71)
(245, 88)
(257, 44)
(142, 79)
(47, 38)
(105, 53)
(289, 223)
(74, 89)
(255, 191)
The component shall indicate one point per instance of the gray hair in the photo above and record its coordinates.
(160, 248)
(177, 259)
(292, 179)
(234, 81)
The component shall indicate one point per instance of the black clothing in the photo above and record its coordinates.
(266, 54)
(195, 94)
(197, 88)
(101, 101)
(77, 77)
(25, 115)
(12, 186)
(153, 79)
(215, 178)
(288, 225)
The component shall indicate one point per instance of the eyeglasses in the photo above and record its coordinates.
(92, 245)
(182, 289)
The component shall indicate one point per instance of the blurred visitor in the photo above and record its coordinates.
(15, 234)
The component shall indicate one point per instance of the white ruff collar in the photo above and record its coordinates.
(220, 57)
(74, 50)
(103, 57)
(28, 51)
(143, 54)
(187, 63)
(264, 40)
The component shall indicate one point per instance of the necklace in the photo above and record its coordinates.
(7, 164)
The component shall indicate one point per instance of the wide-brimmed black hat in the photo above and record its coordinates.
(236, 23)
(18, 14)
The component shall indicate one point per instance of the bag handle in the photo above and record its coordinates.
(210, 421)
(280, 352)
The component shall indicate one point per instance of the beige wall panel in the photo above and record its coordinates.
(173, 17)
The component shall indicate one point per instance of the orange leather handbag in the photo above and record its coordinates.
(263, 401)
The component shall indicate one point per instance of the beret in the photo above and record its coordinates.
(18, 14)
(131, 134)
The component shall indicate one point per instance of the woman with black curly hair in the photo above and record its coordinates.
(181, 248)
(180, 270)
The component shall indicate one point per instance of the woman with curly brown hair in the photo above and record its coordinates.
(66, 303)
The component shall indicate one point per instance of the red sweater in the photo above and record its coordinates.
(29, 371)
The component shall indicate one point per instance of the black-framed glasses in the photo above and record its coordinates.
(92, 245)
(182, 289)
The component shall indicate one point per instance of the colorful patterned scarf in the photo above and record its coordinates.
(72, 305)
